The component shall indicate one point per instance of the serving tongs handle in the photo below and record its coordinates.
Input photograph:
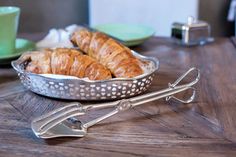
(167, 93)
(173, 85)
(126, 104)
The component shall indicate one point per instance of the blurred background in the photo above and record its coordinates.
(41, 15)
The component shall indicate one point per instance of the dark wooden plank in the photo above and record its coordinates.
(11, 87)
(233, 40)
(215, 61)
(17, 139)
(7, 75)
(203, 128)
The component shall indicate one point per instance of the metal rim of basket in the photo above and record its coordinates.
(18, 66)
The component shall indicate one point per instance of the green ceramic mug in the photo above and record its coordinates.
(9, 19)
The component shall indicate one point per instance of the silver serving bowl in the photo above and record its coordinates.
(73, 88)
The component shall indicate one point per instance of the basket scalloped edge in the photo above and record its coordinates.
(73, 88)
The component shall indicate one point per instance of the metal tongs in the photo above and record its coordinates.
(62, 122)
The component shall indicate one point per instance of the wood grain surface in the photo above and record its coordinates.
(233, 40)
(206, 127)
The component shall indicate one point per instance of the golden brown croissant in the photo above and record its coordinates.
(116, 57)
(65, 62)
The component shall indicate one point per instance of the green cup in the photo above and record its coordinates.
(9, 19)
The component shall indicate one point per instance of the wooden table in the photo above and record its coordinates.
(204, 128)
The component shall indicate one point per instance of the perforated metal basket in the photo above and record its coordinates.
(81, 89)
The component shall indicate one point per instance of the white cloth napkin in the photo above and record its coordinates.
(58, 38)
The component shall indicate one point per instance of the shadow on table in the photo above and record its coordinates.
(5, 66)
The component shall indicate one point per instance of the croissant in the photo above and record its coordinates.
(65, 62)
(116, 57)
